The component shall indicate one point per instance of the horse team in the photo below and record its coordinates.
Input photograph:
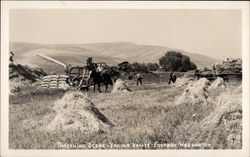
(99, 75)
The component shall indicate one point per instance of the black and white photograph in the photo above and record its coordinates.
(125, 78)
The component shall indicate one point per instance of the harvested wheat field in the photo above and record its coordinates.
(155, 114)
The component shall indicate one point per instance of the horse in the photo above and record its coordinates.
(99, 79)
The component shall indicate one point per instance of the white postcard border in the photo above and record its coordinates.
(7, 5)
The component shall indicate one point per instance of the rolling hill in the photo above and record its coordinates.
(144, 53)
(111, 53)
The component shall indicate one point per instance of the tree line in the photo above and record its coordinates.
(171, 61)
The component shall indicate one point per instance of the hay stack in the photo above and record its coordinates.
(184, 81)
(120, 86)
(195, 93)
(21, 75)
(14, 88)
(228, 101)
(238, 89)
(76, 112)
(227, 116)
(25, 73)
(219, 82)
(16, 84)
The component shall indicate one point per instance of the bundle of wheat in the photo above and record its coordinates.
(226, 116)
(184, 81)
(120, 86)
(196, 92)
(75, 111)
(219, 82)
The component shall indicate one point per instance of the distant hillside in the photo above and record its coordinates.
(111, 53)
(144, 53)
(26, 53)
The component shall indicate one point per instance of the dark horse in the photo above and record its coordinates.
(99, 79)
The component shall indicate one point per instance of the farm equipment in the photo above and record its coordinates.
(230, 69)
(72, 77)
(73, 74)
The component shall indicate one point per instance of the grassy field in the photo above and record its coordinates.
(146, 118)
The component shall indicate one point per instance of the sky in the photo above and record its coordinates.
(215, 33)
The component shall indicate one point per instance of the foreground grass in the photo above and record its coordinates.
(148, 115)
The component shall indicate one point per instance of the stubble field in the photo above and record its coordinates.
(146, 118)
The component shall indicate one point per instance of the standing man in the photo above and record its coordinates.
(91, 67)
(12, 58)
(138, 78)
(172, 77)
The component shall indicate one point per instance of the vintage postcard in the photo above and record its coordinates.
(124, 78)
